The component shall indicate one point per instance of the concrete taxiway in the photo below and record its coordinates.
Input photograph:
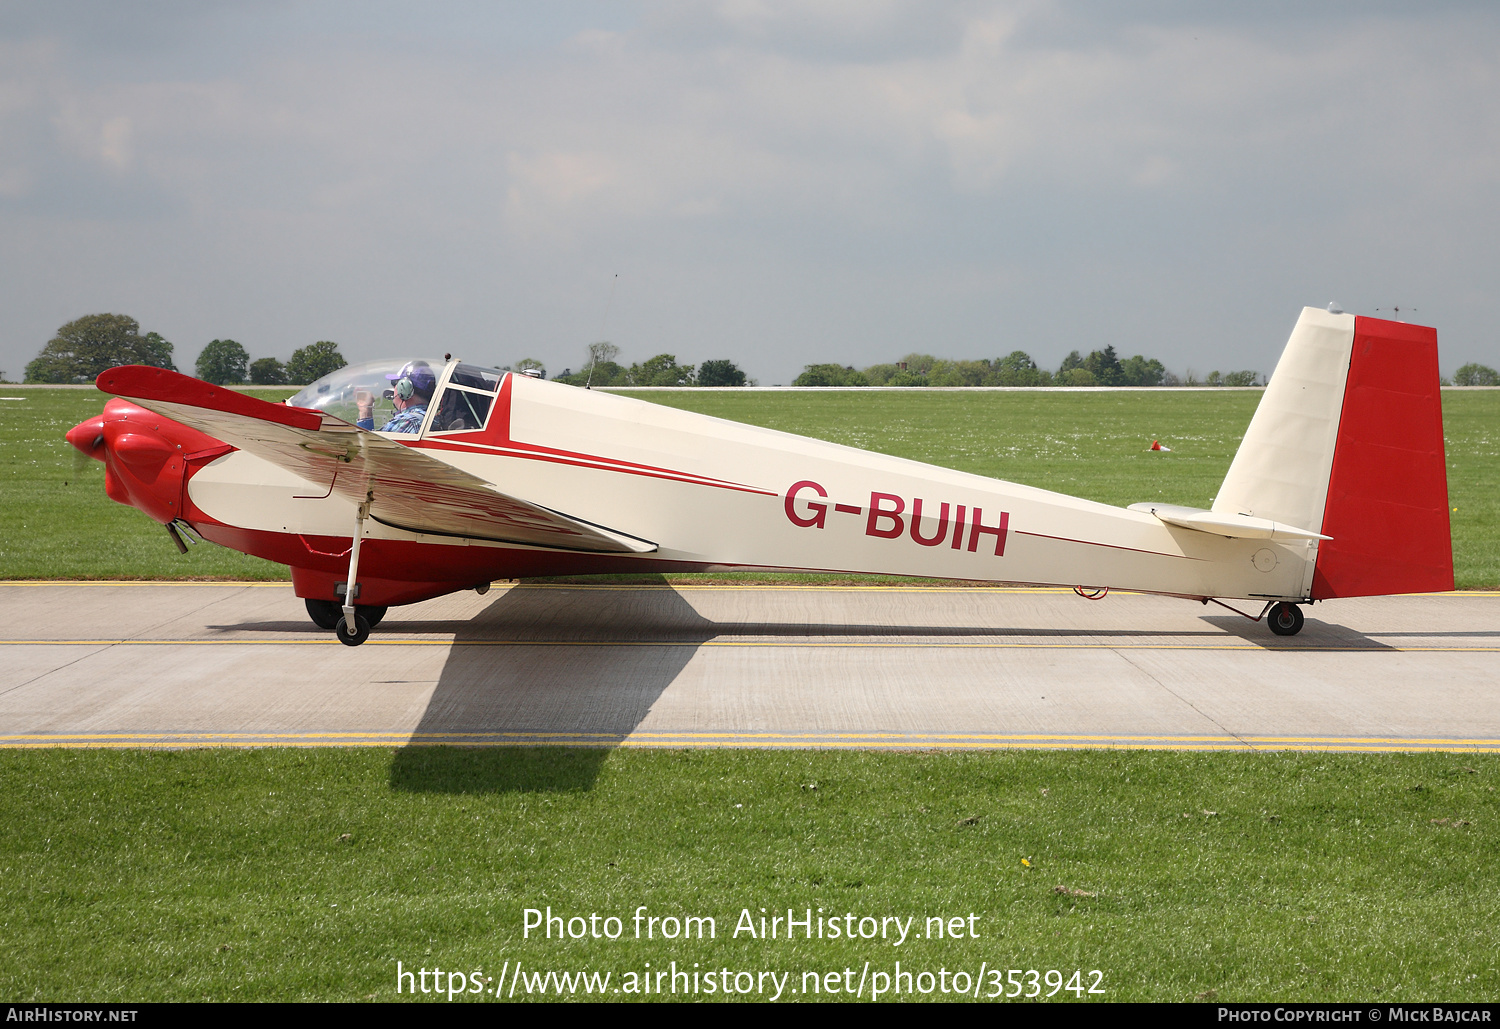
(239, 664)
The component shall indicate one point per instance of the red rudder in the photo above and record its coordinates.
(1387, 507)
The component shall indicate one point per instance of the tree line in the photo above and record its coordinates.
(94, 343)
(601, 369)
(1099, 368)
(83, 348)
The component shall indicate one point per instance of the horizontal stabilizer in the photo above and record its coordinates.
(1235, 526)
(408, 489)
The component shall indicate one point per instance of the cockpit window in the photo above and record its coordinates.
(486, 379)
(465, 401)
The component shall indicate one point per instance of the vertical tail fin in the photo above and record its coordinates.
(1348, 441)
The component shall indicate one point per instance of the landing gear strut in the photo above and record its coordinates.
(1285, 619)
(353, 626)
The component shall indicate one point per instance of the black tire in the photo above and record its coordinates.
(359, 635)
(1285, 619)
(324, 613)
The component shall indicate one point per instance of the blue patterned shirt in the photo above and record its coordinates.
(409, 420)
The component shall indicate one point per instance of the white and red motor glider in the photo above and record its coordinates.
(1338, 490)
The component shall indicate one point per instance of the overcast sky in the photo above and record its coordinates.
(776, 183)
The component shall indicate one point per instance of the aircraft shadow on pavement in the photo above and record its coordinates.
(584, 667)
(586, 697)
(1315, 635)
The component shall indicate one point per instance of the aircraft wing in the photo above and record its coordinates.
(407, 488)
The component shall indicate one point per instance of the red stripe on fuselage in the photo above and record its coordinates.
(496, 439)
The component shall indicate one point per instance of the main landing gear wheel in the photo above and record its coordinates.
(359, 635)
(1285, 619)
(326, 613)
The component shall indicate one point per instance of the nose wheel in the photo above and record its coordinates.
(1285, 619)
(325, 614)
(356, 636)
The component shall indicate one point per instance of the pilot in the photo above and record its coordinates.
(410, 393)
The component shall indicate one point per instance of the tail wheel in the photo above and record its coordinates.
(1285, 619)
(360, 633)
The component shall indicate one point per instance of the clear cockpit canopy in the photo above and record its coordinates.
(462, 405)
(338, 392)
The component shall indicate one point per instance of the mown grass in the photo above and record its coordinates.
(278, 874)
(58, 522)
(61, 525)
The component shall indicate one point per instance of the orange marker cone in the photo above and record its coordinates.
(1156, 445)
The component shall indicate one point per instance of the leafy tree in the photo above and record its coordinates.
(1138, 371)
(89, 345)
(267, 371)
(1476, 375)
(1017, 369)
(526, 364)
(606, 373)
(1104, 366)
(601, 353)
(720, 373)
(311, 363)
(156, 352)
(599, 370)
(223, 362)
(1245, 378)
(911, 370)
(958, 373)
(1016, 361)
(1069, 363)
(830, 375)
(662, 370)
(1076, 376)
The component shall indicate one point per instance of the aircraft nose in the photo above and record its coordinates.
(88, 437)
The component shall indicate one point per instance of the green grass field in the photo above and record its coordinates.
(61, 525)
(277, 874)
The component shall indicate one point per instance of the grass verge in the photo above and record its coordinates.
(306, 875)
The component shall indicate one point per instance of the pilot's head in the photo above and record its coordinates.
(413, 384)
